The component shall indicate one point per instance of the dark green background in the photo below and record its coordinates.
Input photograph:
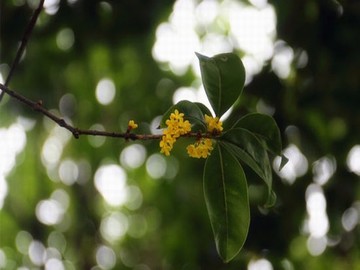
(321, 99)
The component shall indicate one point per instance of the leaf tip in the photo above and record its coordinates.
(271, 200)
(201, 57)
(283, 162)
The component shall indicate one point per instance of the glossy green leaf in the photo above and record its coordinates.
(191, 112)
(227, 201)
(246, 147)
(203, 108)
(223, 77)
(266, 129)
(263, 126)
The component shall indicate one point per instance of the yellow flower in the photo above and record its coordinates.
(214, 124)
(166, 143)
(132, 125)
(200, 149)
(176, 126)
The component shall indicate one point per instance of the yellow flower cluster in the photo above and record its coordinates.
(214, 125)
(176, 126)
(132, 125)
(200, 149)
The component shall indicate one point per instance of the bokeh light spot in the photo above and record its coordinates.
(65, 39)
(133, 156)
(137, 226)
(296, 167)
(68, 172)
(97, 141)
(57, 240)
(51, 151)
(105, 91)
(114, 226)
(12, 142)
(105, 257)
(110, 181)
(184, 93)
(316, 207)
(51, 6)
(67, 105)
(156, 166)
(49, 212)
(261, 264)
(323, 169)
(350, 219)
(316, 245)
(54, 264)
(2, 259)
(22, 241)
(353, 159)
(37, 253)
(282, 59)
(134, 198)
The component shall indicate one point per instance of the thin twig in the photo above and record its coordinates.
(23, 44)
(38, 106)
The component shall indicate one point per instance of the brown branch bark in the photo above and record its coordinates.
(77, 132)
(23, 44)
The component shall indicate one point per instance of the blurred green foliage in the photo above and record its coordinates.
(166, 226)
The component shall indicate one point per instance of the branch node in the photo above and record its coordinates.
(76, 133)
(38, 105)
(132, 136)
(62, 123)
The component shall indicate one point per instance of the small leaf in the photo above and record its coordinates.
(203, 108)
(247, 148)
(223, 77)
(191, 112)
(227, 201)
(263, 126)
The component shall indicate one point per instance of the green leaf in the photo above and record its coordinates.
(263, 126)
(246, 147)
(203, 108)
(227, 201)
(223, 77)
(266, 129)
(191, 112)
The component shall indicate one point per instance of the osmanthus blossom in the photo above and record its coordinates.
(177, 126)
(132, 125)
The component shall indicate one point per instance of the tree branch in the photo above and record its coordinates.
(23, 44)
(38, 106)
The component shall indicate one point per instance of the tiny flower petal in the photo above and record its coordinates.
(201, 149)
(214, 124)
(176, 126)
(132, 125)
